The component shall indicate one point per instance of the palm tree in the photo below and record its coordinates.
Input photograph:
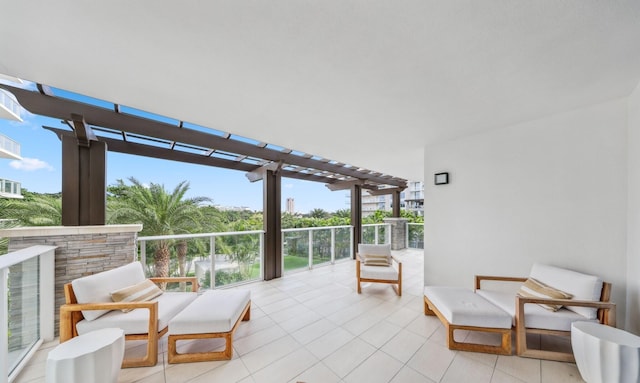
(33, 210)
(160, 213)
(318, 213)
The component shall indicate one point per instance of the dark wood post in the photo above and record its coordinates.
(395, 202)
(272, 224)
(356, 216)
(83, 182)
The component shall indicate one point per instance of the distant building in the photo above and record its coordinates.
(291, 208)
(411, 199)
(414, 199)
(9, 109)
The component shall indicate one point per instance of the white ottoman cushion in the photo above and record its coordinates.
(137, 321)
(215, 311)
(463, 307)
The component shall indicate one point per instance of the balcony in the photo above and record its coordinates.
(10, 189)
(312, 326)
(9, 148)
(9, 107)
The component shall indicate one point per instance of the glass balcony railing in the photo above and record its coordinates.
(376, 234)
(415, 235)
(304, 248)
(231, 257)
(10, 105)
(11, 189)
(26, 306)
(237, 257)
(9, 148)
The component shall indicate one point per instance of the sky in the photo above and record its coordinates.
(40, 170)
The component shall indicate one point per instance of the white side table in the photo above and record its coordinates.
(92, 357)
(605, 354)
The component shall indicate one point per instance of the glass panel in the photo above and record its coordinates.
(343, 243)
(24, 310)
(369, 234)
(416, 236)
(321, 246)
(237, 259)
(295, 250)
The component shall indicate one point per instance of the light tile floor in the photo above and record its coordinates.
(312, 327)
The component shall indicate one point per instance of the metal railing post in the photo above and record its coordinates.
(143, 253)
(4, 325)
(375, 234)
(333, 246)
(212, 262)
(310, 249)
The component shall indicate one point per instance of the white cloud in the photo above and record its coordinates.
(288, 186)
(30, 164)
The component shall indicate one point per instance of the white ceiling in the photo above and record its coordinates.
(365, 82)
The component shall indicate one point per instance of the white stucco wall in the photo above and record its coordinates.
(552, 190)
(633, 219)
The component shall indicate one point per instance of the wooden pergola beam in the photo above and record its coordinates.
(60, 108)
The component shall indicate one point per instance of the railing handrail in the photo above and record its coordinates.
(315, 228)
(20, 256)
(199, 235)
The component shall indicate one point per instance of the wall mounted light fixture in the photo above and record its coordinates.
(441, 178)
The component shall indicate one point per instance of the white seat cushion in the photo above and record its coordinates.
(214, 311)
(97, 288)
(462, 307)
(534, 315)
(581, 286)
(137, 321)
(387, 273)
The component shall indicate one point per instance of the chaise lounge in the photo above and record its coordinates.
(547, 303)
(90, 306)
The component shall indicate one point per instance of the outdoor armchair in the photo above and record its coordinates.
(374, 263)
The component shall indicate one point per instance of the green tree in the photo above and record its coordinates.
(160, 213)
(342, 213)
(318, 213)
(34, 210)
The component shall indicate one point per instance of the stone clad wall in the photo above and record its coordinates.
(81, 251)
(398, 232)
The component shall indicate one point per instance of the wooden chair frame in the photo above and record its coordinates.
(226, 354)
(606, 315)
(71, 314)
(396, 284)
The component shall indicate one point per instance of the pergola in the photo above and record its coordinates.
(94, 130)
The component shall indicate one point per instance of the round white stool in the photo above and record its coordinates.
(605, 354)
(92, 357)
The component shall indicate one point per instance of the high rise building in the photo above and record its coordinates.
(411, 199)
(10, 149)
(291, 209)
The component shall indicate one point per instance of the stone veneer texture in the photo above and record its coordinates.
(78, 255)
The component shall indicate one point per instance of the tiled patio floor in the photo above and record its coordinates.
(311, 326)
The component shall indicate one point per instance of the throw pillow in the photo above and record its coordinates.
(533, 288)
(376, 260)
(140, 292)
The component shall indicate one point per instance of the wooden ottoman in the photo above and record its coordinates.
(462, 309)
(214, 314)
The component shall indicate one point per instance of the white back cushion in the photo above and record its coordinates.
(374, 249)
(581, 286)
(97, 288)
